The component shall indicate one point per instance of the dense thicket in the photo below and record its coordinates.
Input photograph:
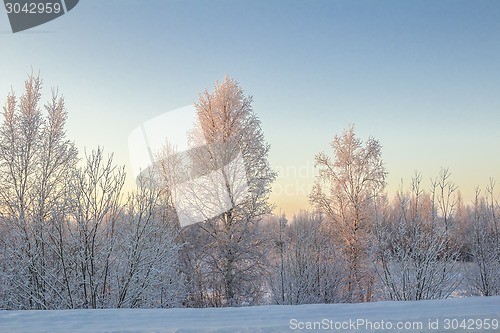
(70, 237)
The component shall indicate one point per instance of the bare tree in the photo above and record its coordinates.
(278, 275)
(145, 273)
(96, 194)
(444, 193)
(344, 190)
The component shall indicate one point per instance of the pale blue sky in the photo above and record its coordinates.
(423, 77)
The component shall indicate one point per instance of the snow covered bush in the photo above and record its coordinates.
(306, 264)
(484, 275)
(414, 256)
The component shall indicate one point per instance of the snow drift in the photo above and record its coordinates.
(479, 314)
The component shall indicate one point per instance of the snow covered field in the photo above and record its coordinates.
(451, 315)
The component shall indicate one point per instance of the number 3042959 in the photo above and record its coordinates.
(33, 8)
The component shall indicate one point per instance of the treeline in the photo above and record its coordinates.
(407, 251)
(71, 238)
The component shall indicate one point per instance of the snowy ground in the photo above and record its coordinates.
(424, 316)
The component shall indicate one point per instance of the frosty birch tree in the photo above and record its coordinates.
(344, 190)
(231, 133)
(35, 161)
